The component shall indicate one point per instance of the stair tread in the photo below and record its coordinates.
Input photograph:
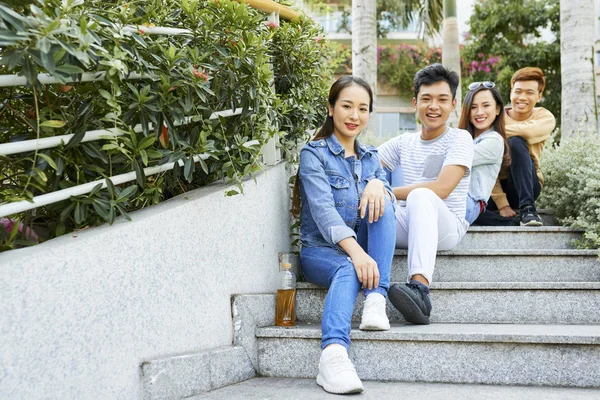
(551, 228)
(439, 332)
(305, 388)
(510, 252)
(491, 286)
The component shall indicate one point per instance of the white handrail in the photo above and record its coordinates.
(64, 194)
(50, 142)
(46, 79)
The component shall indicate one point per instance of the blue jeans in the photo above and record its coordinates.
(332, 268)
(473, 209)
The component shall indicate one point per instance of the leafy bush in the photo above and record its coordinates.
(572, 185)
(397, 65)
(506, 35)
(164, 117)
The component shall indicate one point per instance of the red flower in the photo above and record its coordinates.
(272, 25)
(200, 75)
(141, 31)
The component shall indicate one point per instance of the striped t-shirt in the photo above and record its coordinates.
(422, 160)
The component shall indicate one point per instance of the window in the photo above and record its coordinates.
(390, 124)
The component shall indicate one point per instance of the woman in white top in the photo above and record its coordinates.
(483, 116)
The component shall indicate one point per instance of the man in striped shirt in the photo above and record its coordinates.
(436, 164)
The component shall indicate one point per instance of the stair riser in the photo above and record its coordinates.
(481, 306)
(452, 362)
(518, 240)
(495, 268)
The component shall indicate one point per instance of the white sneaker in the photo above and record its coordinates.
(374, 317)
(337, 373)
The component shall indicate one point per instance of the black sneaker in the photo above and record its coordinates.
(412, 302)
(529, 217)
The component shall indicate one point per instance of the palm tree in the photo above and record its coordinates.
(579, 110)
(364, 47)
(451, 50)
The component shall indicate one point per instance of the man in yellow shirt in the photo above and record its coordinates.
(527, 129)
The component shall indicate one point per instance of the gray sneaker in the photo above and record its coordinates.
(529, 217)
(412, 302)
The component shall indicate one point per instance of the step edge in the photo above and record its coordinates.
(562, 286)
(396, 334)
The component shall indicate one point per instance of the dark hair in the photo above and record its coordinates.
(529, 74)
(327, 128)
(436, 73)
(497, 125)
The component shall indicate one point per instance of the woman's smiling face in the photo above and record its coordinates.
(484, 111)
(350, 112)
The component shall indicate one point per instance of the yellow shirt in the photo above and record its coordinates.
(535, 130)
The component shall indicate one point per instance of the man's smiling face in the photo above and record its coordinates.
(434, 104)
(524, 96)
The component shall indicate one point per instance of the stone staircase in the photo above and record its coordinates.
(511, 306)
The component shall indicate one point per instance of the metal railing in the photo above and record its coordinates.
(270, 153)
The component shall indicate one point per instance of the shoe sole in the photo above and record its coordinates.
(329, 389)
(407, 307)
(368, 327)
(532, 223)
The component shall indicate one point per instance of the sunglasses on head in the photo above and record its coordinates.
(485, 84)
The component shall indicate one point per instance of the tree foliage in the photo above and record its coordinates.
(393, 14)
(276, 76)
(506, 35)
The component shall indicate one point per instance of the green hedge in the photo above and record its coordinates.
(572, 185)
(224, 64)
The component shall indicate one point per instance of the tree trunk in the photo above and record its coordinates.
(364, 48)
(579, 110)
(451, 52)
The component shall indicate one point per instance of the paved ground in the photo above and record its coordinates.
(307, 389)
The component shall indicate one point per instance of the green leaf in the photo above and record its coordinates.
(96, 189)
(128, 192)
(140, 176)
(79, 214)
(65, 213)
(105, 94)
(188, 169)
(146, 142)
(14, 231)
(69, 69)
(53, 123)
(101, 210)
(49, 160)
(111, 188)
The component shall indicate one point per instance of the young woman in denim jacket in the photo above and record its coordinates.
(483, 116)
(348, 228)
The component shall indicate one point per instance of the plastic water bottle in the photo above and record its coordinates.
(285, 313)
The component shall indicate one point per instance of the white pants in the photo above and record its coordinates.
(425, 226)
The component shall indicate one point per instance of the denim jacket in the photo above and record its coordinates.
(487, 160)
(331, 187)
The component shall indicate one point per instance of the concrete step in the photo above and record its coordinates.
(548, 355)
(520, 237)
(484, 302)
(307, 389)
(483, 265)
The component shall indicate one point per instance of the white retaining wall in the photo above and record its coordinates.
(78, 314)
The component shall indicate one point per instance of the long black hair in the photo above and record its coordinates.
(498, 124)
(327, 128)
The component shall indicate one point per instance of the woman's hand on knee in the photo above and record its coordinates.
(507, 212)
(372, 201)
(366, 270)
